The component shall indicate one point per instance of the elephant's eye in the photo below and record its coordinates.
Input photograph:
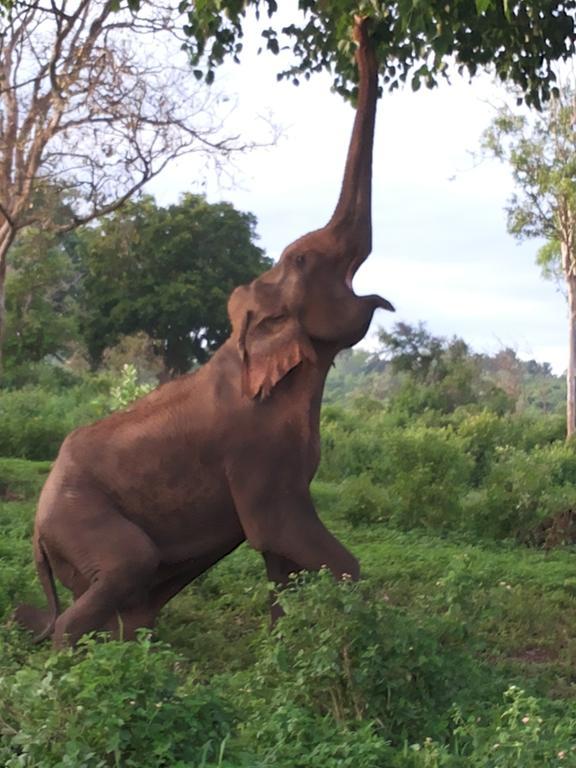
(270, 322)
(300, 260)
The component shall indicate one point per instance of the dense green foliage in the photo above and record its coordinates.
(165, 272)
(40, 298)
(449, 654)
(456, 649)
(415, 40)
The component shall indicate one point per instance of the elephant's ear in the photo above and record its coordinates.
(270, 347)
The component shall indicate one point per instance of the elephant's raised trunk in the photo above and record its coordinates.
(352, 218)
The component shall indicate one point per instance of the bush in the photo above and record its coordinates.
(21, 479)
(524, 732)
(45, 375)
(521, 490)
(419, 475)
(360, 502)
(426, 474)
(342, 667)
(484, 434)
(127, 388)
(110, 704)
(35, 421)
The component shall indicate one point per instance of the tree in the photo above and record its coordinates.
(413, 349)
(91, 105)
(167, 272)
(437, 373)
(40, 303)
(416, 39)
(540, 149)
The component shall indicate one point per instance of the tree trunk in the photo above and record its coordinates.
(571, 370)
(6, 240)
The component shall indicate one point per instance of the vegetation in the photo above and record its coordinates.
(415, 41)
(445, 471)
(167, 272)
(456, 491)
(63, 133)
(539, 148)
(164, 273)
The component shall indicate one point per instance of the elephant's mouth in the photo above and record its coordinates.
(378, 301)
(352, 269)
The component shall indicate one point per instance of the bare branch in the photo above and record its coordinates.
(89, 86)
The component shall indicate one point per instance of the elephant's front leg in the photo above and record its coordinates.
(303, 538)
(279, 519)
(278, 569)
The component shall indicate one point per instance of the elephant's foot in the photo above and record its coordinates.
(124, 625)
(35, 620)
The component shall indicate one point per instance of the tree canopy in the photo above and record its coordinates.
(40, 303)
(415, 39)
(167, 272)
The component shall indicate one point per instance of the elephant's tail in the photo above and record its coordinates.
(46, 577)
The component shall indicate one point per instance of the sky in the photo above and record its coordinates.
(441, 251)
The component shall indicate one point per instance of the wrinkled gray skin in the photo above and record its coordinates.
(142, 502)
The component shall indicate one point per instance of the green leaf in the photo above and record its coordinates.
(483, 5)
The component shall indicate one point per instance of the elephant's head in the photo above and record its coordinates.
(306, 299)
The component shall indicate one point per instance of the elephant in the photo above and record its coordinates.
(140, 503)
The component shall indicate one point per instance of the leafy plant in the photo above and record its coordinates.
(361, 502)
(110, 704)
(521, 490)
(342, 657)
(127, 389)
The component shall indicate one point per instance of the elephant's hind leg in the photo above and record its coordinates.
(125, 623)
(31, 618)
(172, 579)
(118, 560)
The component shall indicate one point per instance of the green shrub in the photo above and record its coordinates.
(326, 496)
(484, 434)
(35, 421)
(421, 472)
(348, 449)
(361, 502)
(110, 704)
(127, 389)
(425, 473)
(342, 662)
(20, 479)
(524, 732)
(54, 378)
(521, 490)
